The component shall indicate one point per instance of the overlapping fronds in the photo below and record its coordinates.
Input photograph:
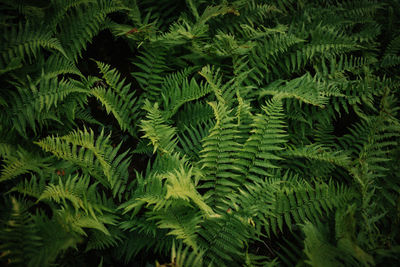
(94, 155)
(226, 133)
(35, 104)
(24, 41)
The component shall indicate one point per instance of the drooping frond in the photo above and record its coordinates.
(98, 240)
(33, 187)
(391, 57)
(190, 139)
(150, 191)
(269, 50)
(57, 65)
(226, 92)
(118, 98)
(177, 90)
(292, 203)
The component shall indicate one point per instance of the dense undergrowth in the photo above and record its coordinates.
(199, 133)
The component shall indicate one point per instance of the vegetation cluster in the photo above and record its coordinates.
(199, 133)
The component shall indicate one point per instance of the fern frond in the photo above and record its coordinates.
(391, 57)
(139, 240)
(267, 136)
(223, 240)
(162, 136)
(181, 222)
(225, 92)
(227, 46)
(20, 162)
(186, 31)
(180, 185)
(269, 51)
(14, 64)
(335, 67)
(177, 90)
(152, 64)
(305, 88)
(214, 79)
(190, 139)
(34, 186)
(345, 234)
(360, 8)
(216, 157)
(370, 140)
(24, 40)
(293, 204)
(246, 13)
(19, 236)
(345, 251)
(150, 193)
(95, 156)
(318, 249)
(57, 65)
(83, 23)
(390, 61)
(34, 105)
(84, 115)
(184, 256)
(6, 148)
(118, 98)
(339, 158)
(33, 240)
(261, 32)
(244, 117)
(98, 240)
(60, 9)
(77, 191)
(276, 202)
(192, 114)
(78, 221)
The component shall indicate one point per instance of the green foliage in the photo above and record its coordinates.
(227, 133)
(96, 157)
(118, 99)
(161, 135)
(19, 235)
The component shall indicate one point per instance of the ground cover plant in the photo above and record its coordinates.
(199, 133)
